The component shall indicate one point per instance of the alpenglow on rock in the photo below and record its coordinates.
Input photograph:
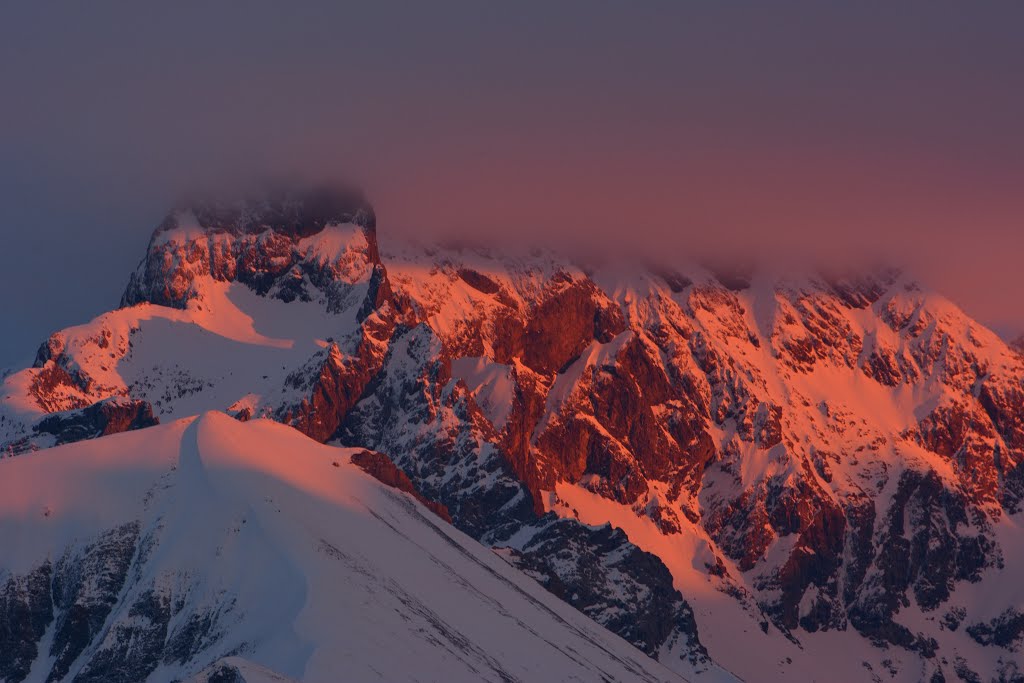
(810, 477)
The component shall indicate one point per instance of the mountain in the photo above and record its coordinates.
(811, 476)
(210, 550)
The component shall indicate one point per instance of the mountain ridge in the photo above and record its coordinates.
(820, 459)
(170, 554)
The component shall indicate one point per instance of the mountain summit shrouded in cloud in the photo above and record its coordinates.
(827, 131)
(662, 342)
(733, 471)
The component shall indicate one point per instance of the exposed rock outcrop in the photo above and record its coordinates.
(109, 416)
(380, 467)
(833, 450)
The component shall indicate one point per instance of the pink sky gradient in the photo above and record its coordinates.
(825, 133)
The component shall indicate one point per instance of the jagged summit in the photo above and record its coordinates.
(823, 463)
(283, 246)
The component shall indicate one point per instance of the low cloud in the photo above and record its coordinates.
(819, 135)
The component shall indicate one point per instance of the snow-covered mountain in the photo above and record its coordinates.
(813, 477)
(206, 545)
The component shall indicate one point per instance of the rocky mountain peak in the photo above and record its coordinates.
(288, 245)
(805, 459)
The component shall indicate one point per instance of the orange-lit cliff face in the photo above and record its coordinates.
(824, 464)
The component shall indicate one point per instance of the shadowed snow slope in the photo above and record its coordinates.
(153, 555)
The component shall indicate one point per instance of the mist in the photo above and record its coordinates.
(811, 132)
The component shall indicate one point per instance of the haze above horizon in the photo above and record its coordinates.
(821, 132)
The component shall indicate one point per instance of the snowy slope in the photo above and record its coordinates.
(216, 538)
(826, 471)
(181, 361)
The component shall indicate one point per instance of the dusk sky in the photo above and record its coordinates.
(823, 130)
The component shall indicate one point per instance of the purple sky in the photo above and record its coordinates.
(822, 129)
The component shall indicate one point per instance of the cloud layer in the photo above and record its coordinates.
(802, 129)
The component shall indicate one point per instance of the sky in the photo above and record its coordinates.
(825, 130)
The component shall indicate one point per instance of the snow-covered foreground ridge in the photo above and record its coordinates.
(812, 477)
(149, 556)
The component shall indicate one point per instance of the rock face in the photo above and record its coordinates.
(826, 454)
(75, 598)
(26, 606)
(380, 467)
(1006, 630)
(598, 571)
(109, 416)
(258, 243)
